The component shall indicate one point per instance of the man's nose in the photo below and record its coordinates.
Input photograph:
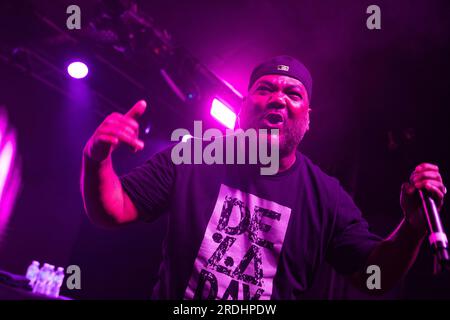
(277, 100)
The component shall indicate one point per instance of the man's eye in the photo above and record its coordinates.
(296, 94)
(264, 88)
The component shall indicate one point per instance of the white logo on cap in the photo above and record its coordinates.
(282, 67)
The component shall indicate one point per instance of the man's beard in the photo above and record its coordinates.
(291, 136)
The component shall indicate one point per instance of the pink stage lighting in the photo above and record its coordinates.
(77, 70)
(223, 114)
(10, 171)
(6, 157)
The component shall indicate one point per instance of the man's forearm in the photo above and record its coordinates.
(395, 255)
(102, 192)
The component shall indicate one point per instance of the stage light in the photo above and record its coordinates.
(6, 157)
(77, 70)
(223, 113)
(10, 170)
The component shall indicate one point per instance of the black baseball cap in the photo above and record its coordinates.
(283, 65)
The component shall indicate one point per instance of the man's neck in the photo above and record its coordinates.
(287, 161)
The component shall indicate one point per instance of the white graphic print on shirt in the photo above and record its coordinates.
(239, 253)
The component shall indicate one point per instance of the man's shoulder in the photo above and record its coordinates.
(316, 174)
(162, 154)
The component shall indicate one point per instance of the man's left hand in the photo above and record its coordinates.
(426, 177)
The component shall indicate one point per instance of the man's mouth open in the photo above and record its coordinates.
(273, 120)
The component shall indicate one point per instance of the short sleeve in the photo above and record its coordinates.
(351, 242)
(149, 186)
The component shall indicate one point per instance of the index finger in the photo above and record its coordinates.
(137, 110)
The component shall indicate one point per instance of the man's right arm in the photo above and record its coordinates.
(105, 201)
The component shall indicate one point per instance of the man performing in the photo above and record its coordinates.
(236, 234)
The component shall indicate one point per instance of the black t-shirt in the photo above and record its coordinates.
(236, 234)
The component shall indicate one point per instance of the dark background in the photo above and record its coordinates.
(380, 100)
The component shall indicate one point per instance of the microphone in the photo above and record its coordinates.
(437, 237)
